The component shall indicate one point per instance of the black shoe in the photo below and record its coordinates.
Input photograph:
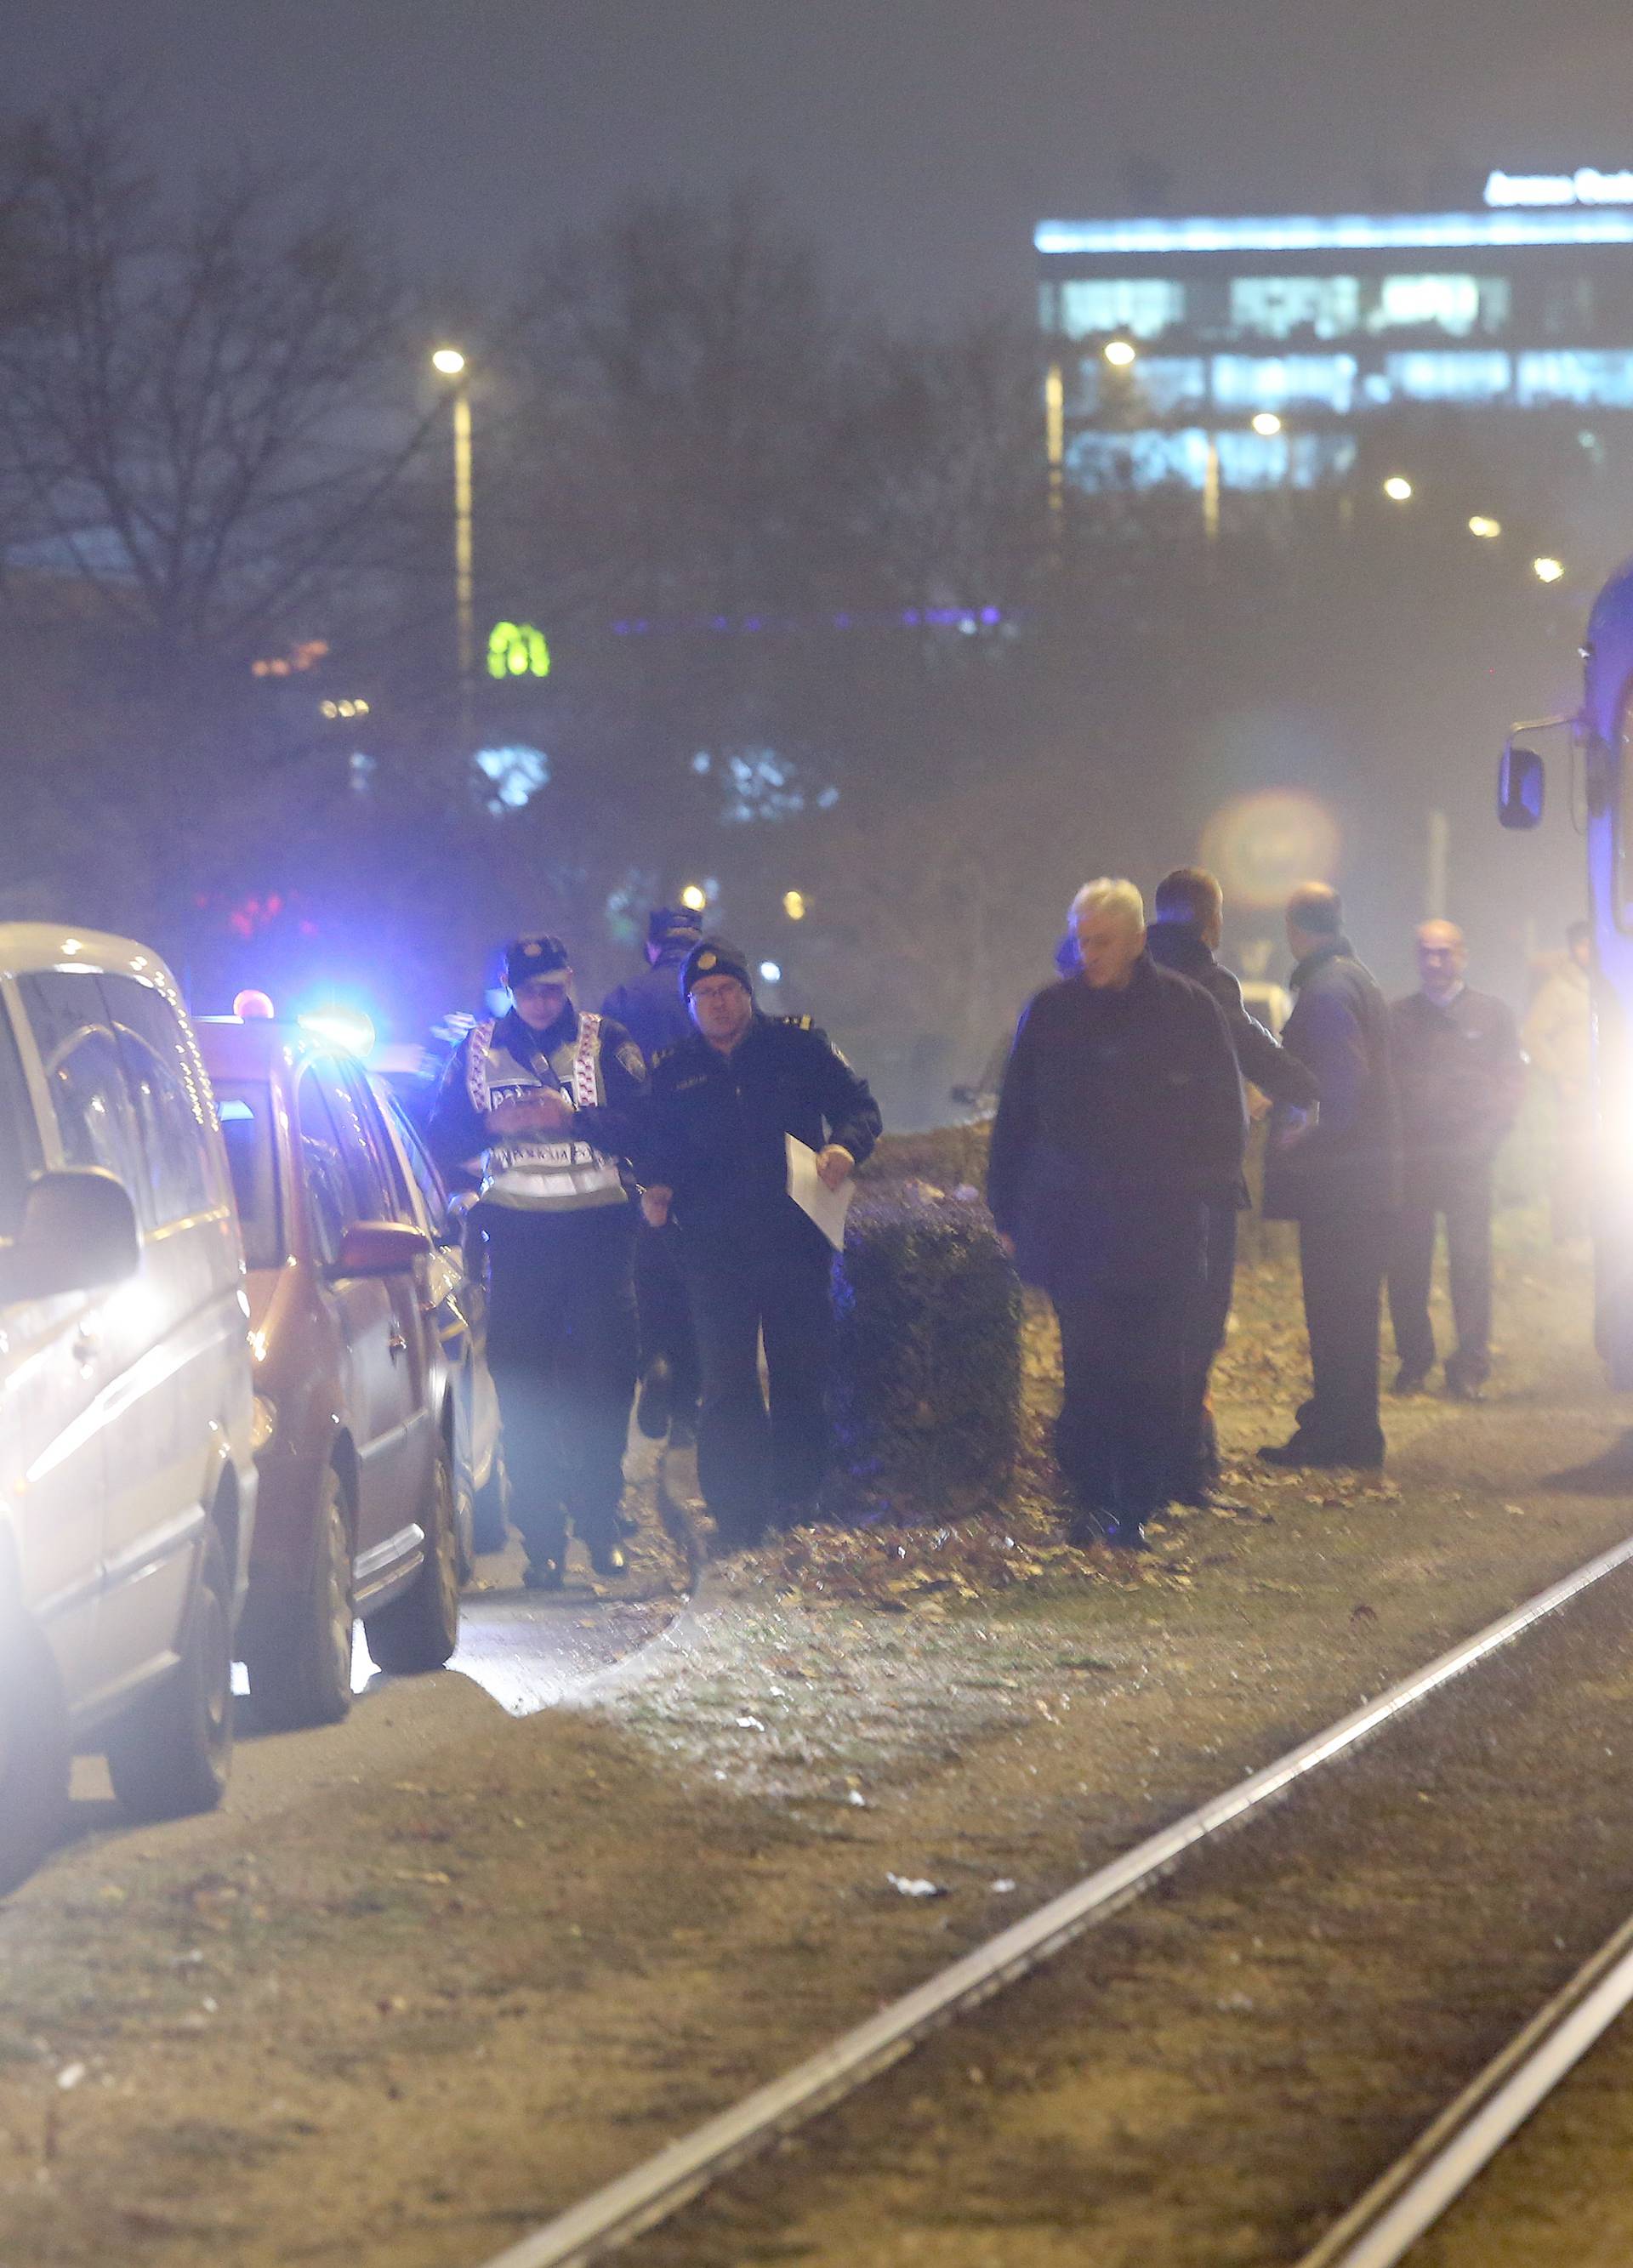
(1463, 1386)
(541, 1575)
(627, 1524)
(1305, 1450)
(1409, 1379)
(683, 1432)
(608, 1558)
(652, 1403)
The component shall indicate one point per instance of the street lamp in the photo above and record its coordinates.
(1481, 525)
(1119, 352)
(1398, 488)
(1266, 422)
(1547, 570)
(793, 904)
(694, 897)
(450, 363)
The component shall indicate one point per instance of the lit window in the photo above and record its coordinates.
(1449, 303)
(1449, 376)
(1272, 381)
(1275, 306)
(1167, 383)
(1141, 309)
(1603, 380)
(516, 776)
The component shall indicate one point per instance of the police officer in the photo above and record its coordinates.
(651, 1011)
(716, 1162)
(552, 1099)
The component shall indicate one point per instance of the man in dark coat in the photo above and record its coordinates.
(716, 1163)
(1340, 1179)
(1462, 1078)
(1120, 1124)
(1189, 909)
(650, 1008)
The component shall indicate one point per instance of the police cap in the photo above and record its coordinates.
(537, 956)
(712, 956)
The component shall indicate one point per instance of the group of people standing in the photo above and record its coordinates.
(635, 1209)
(1116, 1178)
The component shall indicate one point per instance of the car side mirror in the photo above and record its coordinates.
(78, 1234)
(380, 1248)
(1521, 787)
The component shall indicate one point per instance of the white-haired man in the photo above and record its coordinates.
(1120, 1122)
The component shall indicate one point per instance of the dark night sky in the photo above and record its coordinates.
(919, 138)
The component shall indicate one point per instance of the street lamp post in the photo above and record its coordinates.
(450, 363)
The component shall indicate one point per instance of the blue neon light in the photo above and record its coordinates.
(1338, 233)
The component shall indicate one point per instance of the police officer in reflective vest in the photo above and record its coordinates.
(552, 1099)
(723, 1102)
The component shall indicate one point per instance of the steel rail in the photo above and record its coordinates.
(652, 2191)
(1384, 2224)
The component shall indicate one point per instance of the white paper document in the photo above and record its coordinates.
(825, 1206)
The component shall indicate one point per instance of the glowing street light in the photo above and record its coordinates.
(1398, 488)
(1266, 422)
(793, 904)
(1547, 570)
(770, 973)
(1119, 352)
(694, 897)
(1481, 526)
(450, 363)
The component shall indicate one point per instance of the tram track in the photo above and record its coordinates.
(859, 2064)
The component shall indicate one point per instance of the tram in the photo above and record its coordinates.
(1600, 742)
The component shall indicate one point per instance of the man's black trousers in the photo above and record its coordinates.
(1126, 1436)
(561, 1347)
(1341, 1258)
(1463, 1196)
(666, 1325)
(754, 1462)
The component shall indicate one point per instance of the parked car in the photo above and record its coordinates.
(127, 1470)
(457, 1290)
(355, 1390)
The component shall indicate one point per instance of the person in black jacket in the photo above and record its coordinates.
(1462, 1078)
(1189, 909)
(716, 1163)
(1120, 1124)
(1340, 1180)
(652, 1010)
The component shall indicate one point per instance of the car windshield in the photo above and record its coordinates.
(20, 1155)
(246, 1111)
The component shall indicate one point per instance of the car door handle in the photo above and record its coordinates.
(396, 1345)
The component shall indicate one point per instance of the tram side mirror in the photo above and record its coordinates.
(1521, 787)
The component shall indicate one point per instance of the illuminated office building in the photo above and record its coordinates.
(1519, 311)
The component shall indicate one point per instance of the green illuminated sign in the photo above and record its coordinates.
(517, 650)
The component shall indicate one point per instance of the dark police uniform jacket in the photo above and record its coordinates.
(1260, 1056)
(716, 1135)
(650, 1008)
(1462, 1079)
(1350, 1163)
(1120, 1120)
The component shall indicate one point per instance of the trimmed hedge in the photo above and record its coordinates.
(926, 1380)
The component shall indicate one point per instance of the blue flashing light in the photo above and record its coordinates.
(342, 1027)
(1336, 232)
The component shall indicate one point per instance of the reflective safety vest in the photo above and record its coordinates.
(542, 1173)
